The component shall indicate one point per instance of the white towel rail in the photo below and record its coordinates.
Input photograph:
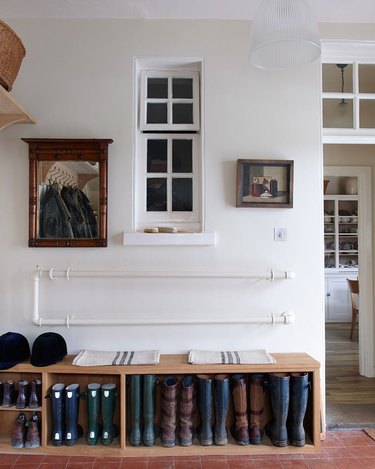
(55, 274)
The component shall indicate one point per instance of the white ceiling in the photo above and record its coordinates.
(342, 11)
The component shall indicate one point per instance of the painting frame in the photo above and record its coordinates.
(265, 183)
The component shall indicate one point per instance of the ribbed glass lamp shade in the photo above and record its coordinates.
(283, 34)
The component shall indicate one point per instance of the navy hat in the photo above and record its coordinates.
(48, 348)
(14, 348)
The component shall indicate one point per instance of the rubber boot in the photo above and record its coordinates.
(58, 413)
(241, 423)
(19, 431)
(9, 394)
(149, 383)
(32, 435)
(257, 395)
(299, 390)
(221, 409)
(23, 394)
(279, 396)
(186, 411)
(108, 397)
(93, 413)
(1, 392)
(168, 411)
(72, 430)
(204, 385)
(35, 400)
(135, 410)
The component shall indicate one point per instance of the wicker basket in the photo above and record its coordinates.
(12, 52)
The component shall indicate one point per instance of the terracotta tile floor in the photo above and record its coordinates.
(340, 450)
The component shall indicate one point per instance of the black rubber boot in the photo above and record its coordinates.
(9, 394)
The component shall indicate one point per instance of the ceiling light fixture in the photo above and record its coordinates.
(342, 68)
(283, 34)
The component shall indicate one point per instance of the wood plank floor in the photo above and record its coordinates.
(350, 397)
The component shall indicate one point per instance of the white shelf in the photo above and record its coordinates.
(135, 238)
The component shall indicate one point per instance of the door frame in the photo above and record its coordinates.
(366, 316)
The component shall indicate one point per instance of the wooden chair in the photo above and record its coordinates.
(354, 295)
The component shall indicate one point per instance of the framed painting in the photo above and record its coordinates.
(265, 183)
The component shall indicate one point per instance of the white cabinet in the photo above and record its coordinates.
(341, 232)
(337, 304)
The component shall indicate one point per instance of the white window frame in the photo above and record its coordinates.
(190, 222)
(170, 101)
(354, 53)
(187, 219)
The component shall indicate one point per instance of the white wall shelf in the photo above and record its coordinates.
(135, 238)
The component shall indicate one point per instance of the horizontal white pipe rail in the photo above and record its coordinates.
(52, 274)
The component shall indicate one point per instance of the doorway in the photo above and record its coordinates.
(350, 390)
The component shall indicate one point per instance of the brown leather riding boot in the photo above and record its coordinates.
(19, 430)
(32, 436)
(241, 424)
(23, 394)
(186, 411)
(256, 408)
(168, 410)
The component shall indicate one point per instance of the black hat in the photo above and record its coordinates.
(48, 348)
(14, 348)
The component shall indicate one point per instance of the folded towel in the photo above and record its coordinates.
(201, 357)
(98, 358)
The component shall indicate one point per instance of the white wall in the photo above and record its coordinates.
(77, 81)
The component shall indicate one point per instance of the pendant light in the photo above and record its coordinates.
(283, 34)
(342, 69)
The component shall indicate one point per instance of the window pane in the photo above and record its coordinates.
(366, 78)
(157, 87)
(182, 113)
(333, 78)
(367, 114)
(182, 195)
(182, 156)
(157, 113)
(182, 88)
(156, 194)
(337, 113)
(157, 156)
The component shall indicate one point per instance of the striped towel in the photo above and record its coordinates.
(98, 358)
(201, 357)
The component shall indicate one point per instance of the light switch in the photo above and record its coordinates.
(279, 234)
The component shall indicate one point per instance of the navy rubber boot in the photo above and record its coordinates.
(204, 384)
(72, 430)
(58, 413)
(221, 409)
(299, 390)
(279, 396)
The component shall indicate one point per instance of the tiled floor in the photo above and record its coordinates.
(340, 450)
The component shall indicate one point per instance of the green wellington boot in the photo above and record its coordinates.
(135, 410)
(149, 384)
(108, 397)
(93, 413)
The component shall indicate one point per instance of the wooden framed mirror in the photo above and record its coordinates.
(68, 192)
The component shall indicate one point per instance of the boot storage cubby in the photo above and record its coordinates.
(176, 365)
(8, 415)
